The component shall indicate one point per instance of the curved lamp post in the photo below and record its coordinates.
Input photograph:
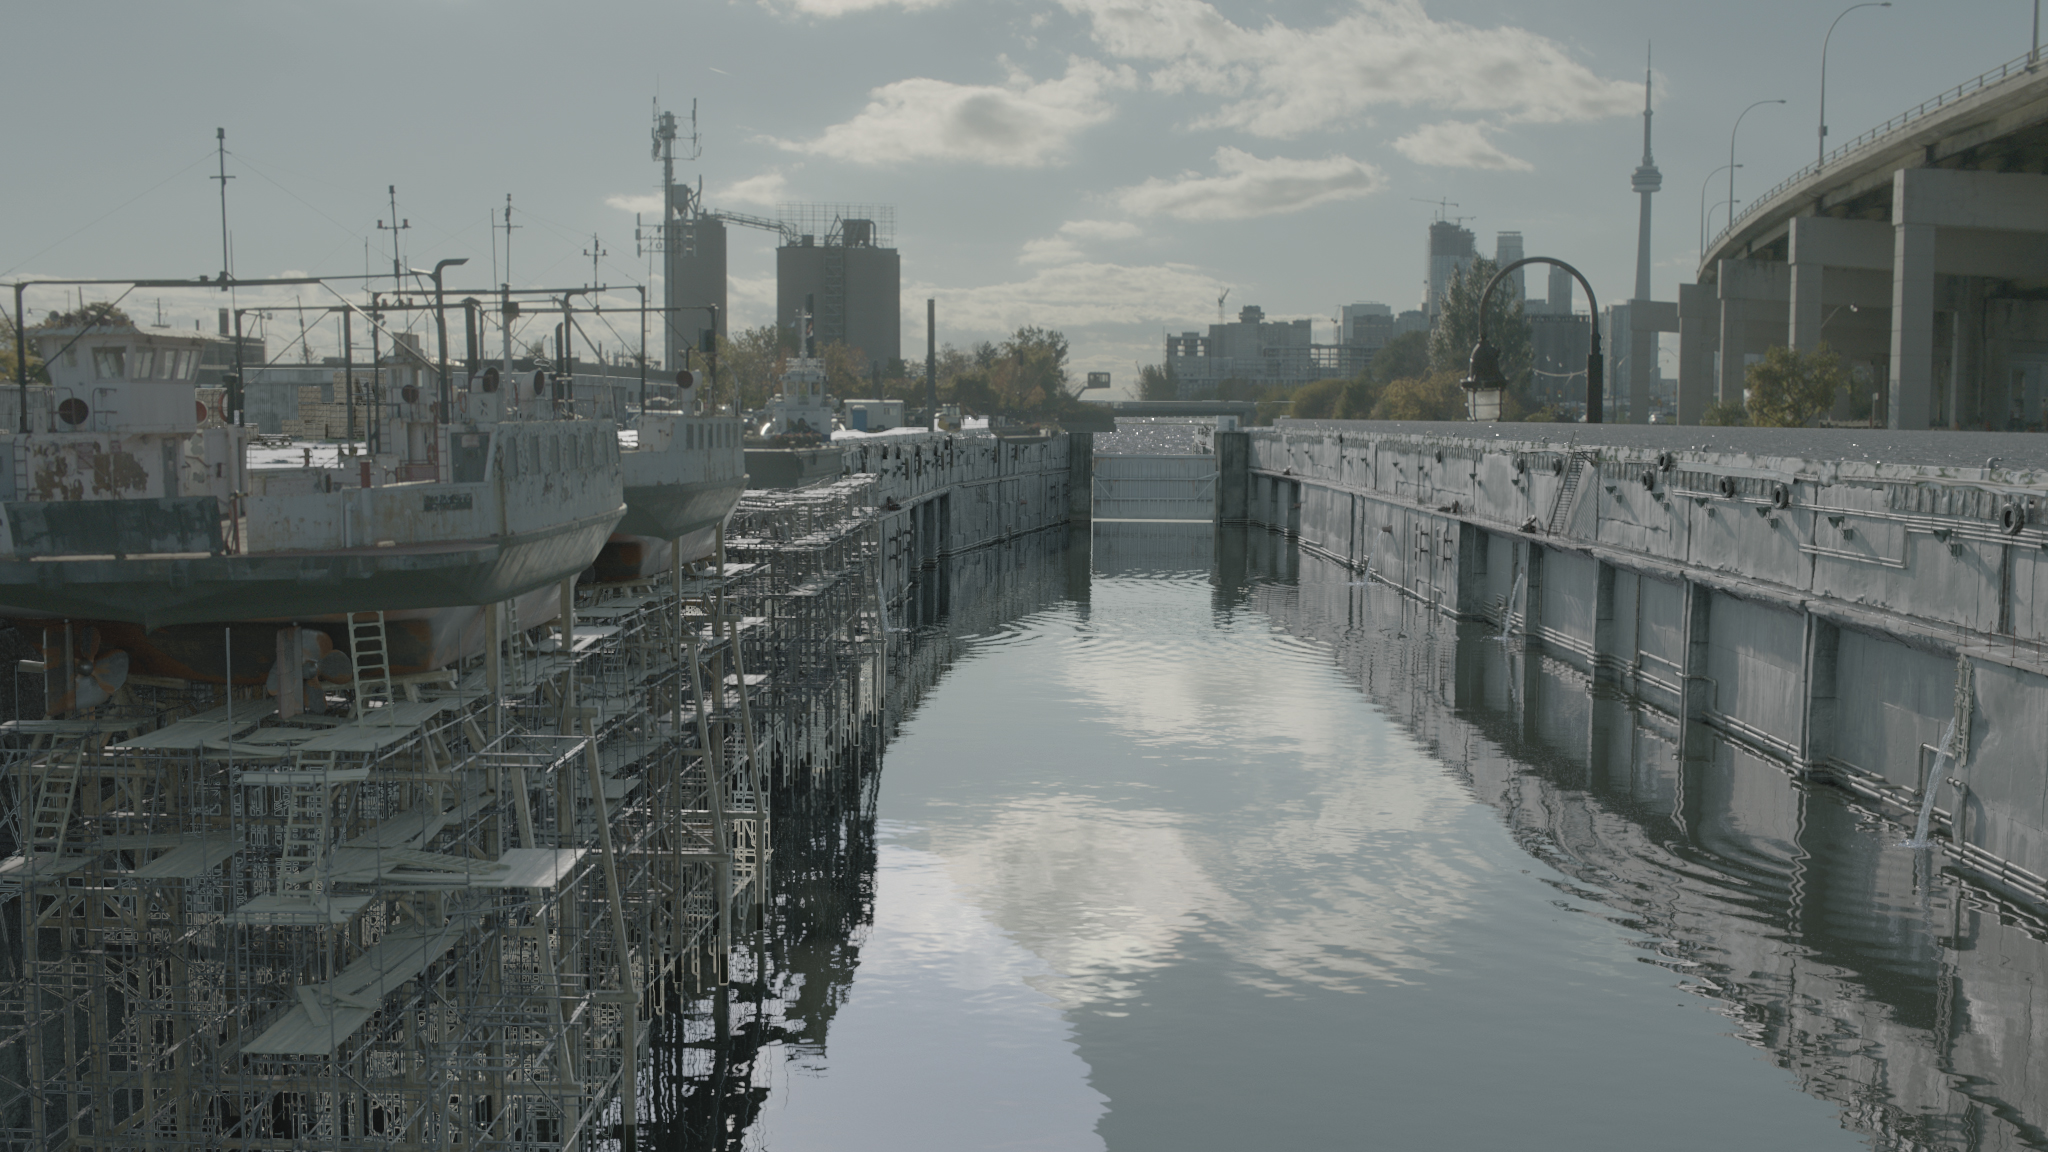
(1703, 204)
(1485, 375)
(1732, 165)
(1822, 157)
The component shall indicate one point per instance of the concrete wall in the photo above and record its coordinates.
(1832, 615)
(1906, 1002)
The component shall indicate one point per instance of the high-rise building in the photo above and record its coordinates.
(1507, 248)
(1451, 251)
(1368, 325)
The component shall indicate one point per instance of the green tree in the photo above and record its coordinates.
(1318, 401)
(748, 361)
(104, 313)
(1457, 327)
(1434, 397)
(1158, 382)
(1404, 356)
(1791, 389)
(36, 370)
(1725, 414)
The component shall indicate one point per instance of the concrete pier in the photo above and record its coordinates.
(1831, 600)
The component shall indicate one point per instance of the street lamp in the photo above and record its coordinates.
(1486, 375)
(1703, 204)
(1822, 157)
(1731, 155)
(441, 328)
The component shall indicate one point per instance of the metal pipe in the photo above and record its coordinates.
(441, 332)
(21, 355)
(348, 373)
(931, 358)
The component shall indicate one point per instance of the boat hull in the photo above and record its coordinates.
(155, 591)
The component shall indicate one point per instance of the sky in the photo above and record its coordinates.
(1106, 168)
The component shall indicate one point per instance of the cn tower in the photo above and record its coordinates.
(1647, 180)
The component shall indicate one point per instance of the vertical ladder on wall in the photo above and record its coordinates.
(831, 326)
(51, 816)
(370, 653)
(1575, 466)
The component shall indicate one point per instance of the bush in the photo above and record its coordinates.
(1726, 414)
(1791, 389)
(1435, 397)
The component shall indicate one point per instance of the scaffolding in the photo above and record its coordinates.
(435, 911)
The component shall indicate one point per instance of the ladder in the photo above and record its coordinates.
(305, 826)
(51, 816)
(1575, 466)
(369, 652)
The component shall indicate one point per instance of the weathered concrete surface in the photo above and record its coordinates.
(1831, 600)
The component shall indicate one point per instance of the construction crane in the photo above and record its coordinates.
(781, 227)
(1443, 207)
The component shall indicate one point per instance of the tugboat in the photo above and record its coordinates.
(132, 507)
(792, 448)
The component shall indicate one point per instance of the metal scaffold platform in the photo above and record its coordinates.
(438, 911)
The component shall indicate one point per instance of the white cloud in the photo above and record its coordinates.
(767, 188)
(1457, 144)
(1075, 296)
(1100, 229)
(1249, 186)
(1281, 81)
(1061, 248)
(1019, 124)
(636, 202)
(843, 7)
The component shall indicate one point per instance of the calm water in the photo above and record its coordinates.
(1197, 848)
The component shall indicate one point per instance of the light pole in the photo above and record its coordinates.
(1731, 155)
(1822, 156)
(1703, 204)
(1485, 374)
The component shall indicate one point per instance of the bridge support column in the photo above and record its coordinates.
(1912, 383)
(1699, 332)
(1754, 294)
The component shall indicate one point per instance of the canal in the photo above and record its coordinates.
(1199, 843)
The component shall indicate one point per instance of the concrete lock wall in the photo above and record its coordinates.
(937, 494)
(1831, 615)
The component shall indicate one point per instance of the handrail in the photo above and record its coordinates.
(2016, 67)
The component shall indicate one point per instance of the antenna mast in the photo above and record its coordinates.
(220, 147)
(396, 226)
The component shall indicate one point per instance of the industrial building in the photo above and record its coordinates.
(843, 258)
(692, 246)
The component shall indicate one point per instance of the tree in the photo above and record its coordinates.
(1724, 414)
(1457, 327)
(1158, 382)
(1402, 357)
(104, 313)
(748, 360)
(1791, 389)
(36, 370)
(1434, 397)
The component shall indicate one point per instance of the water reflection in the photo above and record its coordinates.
(1212, 847)
(1909, 1000)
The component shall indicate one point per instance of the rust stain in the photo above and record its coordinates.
(114, 471)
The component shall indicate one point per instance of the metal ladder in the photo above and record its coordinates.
(369, 653)
(1575, 467)
(305, 827)
(51, 816)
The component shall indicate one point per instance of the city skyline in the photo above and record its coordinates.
(1103, 168)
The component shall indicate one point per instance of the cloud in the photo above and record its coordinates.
(1020, 124)
(1249, 186)
(1075, 296)
(830, 8)
(767, 188)
(1281, 81)
(636, 202)
(1060, 248)
(1457, 144)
